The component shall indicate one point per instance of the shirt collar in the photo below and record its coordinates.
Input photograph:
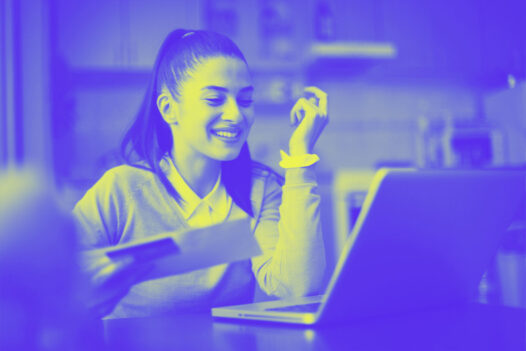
(218, 199)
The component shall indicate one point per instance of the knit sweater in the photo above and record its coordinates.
(130, 203)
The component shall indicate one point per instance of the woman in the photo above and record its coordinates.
(188, 164)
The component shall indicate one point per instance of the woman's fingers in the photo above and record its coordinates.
(113, 282)
(321, 97)
(309, 115)
(295, 114)
(104, 307)
(110, 268)
(307, 106)
(117, 277)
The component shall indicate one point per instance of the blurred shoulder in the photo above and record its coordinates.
(126, 178)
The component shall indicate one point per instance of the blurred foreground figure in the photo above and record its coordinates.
(38, 270)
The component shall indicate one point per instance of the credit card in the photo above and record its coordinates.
(146, 251)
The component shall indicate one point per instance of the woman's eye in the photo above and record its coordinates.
(245, 102)
(215, 101)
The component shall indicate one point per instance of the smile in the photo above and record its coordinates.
(229, 136)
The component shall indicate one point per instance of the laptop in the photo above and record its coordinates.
(423, 239)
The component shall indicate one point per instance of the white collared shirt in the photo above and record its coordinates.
(212, 209)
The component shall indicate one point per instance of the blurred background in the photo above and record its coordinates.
(411, 83)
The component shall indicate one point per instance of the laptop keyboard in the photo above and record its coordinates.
(309, 307)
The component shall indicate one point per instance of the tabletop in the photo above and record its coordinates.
(469, 327)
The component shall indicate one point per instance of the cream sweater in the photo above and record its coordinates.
(129, 203)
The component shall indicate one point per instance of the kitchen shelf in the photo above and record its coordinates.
(346, 58)
(352, 50)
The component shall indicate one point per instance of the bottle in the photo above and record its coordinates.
(276, 29)
(323, 21)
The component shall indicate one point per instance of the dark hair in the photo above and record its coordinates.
(149, 137)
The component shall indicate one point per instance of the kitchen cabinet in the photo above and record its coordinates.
(126, 34)
(356, 20)
(504, 39)
(118, 34)
(88, 33)
(478, 43)
(469, 41)
(149, 23)
(434, 39)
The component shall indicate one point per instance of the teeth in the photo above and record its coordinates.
(226, 134)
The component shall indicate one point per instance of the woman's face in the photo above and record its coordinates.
(215, 110)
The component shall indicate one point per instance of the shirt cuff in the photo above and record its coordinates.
(300, 176)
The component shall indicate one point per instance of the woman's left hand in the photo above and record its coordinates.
(310, 116)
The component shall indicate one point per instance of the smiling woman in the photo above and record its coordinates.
(189, 165)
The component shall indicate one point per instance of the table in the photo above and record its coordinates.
(469, 327)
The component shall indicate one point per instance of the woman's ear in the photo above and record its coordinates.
(167, 107)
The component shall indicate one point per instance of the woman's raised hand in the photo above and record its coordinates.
(309, 114)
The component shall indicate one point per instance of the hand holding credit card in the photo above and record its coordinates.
(147, 251)
(188, 250)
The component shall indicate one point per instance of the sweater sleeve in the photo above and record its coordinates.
(97, 216)
(289, 233)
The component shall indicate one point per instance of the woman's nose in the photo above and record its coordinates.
(232, 111)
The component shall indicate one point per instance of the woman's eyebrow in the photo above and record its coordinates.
(223, 89)
(214, 87)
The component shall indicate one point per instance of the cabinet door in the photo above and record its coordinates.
(504, 39)
(150, 22)
(436, 39)
(456, 40)
(357, 20)
(89, 33)
(410, 25)
(474, 41)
